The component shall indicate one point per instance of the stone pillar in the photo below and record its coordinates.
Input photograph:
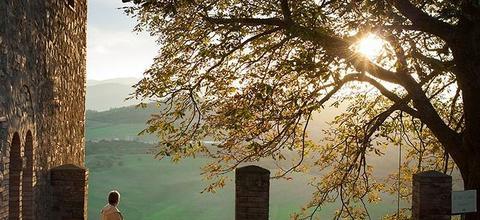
(252, 186)
(432, 193)
(69, 191)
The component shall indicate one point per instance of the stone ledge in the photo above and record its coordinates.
(69, 167)
(252, 169)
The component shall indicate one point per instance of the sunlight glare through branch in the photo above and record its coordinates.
(371, 46)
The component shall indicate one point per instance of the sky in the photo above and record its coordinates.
(113, 50)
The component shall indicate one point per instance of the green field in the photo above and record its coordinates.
(120, 123)
(117, 131)
(153, 189)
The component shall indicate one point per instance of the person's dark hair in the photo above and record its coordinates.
(113, 197)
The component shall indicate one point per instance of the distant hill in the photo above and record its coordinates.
(124, 81)
(125, 123)
(108, 94)
(120, 123)
(123, 115)
(110, 116)
(103, 97)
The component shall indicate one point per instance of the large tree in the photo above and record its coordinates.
(250, 74)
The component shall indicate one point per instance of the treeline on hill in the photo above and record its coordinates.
(106, 154)
(124, 115)
(119, 123)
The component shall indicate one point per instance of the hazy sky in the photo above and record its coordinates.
(113, 50)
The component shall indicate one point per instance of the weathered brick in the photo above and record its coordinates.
(252, 186)
(42, 91)
(431, 198)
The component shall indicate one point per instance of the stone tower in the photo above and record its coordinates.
(42, 96)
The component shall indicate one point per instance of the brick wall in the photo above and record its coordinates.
(42, 91)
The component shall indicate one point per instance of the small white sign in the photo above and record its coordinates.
(464, 201)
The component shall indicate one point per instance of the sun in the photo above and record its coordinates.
(371, 46)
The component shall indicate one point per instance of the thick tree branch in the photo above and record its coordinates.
(427, 113)
(373, 125)
(434, 63)
(424, 22)
(334, 45)
(287, 14)
(339, 47)
(450, 139)
(401, 104)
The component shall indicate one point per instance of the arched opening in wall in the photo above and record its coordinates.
(27, 180)
(15, 179)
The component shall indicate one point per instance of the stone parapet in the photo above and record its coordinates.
(252, 188)
(431, 199)
(69, 192)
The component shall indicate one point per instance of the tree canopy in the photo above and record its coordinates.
(250, 75)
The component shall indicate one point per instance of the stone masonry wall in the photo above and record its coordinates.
(252, 192)
(42, 91)
(431, 196)
(69, 193)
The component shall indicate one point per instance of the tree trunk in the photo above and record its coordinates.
(466, 51)
(469, 163)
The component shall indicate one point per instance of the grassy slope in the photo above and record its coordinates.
(122, 123)
(154, 189)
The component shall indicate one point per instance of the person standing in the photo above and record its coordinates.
(110, 211)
